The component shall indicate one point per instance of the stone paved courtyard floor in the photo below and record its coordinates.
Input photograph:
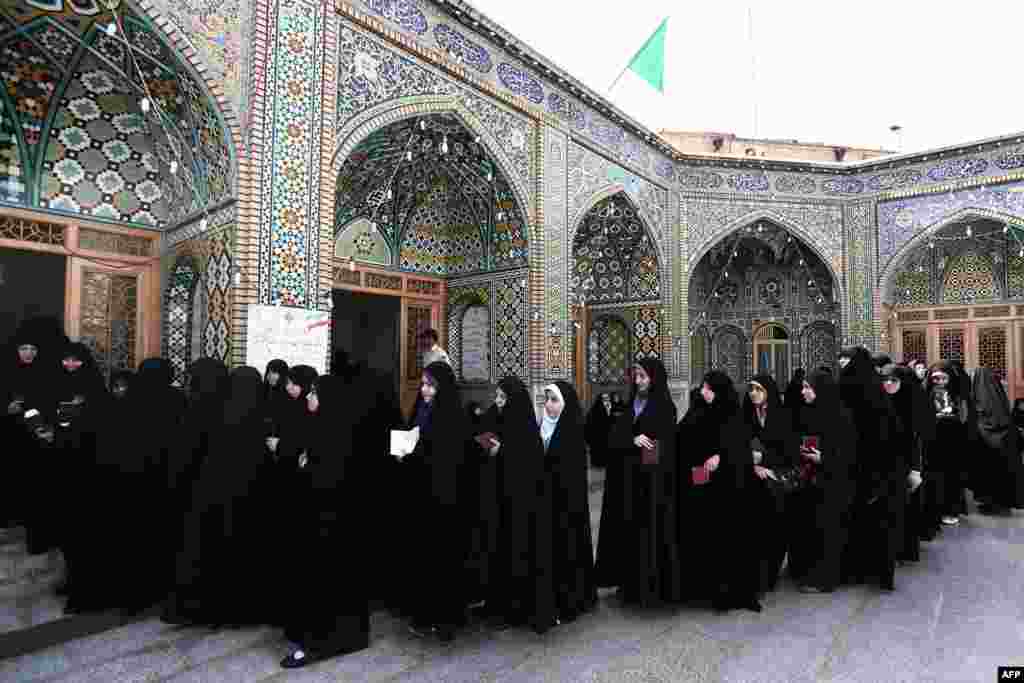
(955, 617)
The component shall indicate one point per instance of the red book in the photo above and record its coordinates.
(809, 443)
(486, 440)
(699, 475)
(649, 456)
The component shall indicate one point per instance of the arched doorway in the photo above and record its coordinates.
(426, 217)
(615, 285)
(952, 295)
(762, 301)
(771, 351)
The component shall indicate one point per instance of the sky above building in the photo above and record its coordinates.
(818, 71)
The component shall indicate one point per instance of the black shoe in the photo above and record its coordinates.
(298, 659)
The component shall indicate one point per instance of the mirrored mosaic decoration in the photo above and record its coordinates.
(179, 313)
(88, 145)
(608, 346)
(428, 189)
(614, 259)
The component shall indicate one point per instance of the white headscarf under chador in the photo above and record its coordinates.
(548, 423)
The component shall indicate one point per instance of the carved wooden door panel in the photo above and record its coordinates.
(417, 317)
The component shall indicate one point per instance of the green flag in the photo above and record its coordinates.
(649, 62)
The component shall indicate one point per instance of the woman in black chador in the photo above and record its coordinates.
(29, 370)
(328, 611)
(643, 439)
(438, 533)
(80, 397)
(948, 458)
(773, 447)
(565, 481)
(715, 516)
(917, 431)
(599, 426)
(609, 567)
(998, 476)
(818, 513)
(141, 446)
(219, 570)
(274, 381)
(879, 505)
(522, 563)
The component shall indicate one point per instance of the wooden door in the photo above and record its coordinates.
(417, 316)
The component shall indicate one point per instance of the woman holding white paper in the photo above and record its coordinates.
(438, 531)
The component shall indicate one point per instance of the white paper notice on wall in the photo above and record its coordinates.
(295, 335)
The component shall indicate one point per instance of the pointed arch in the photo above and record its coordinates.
(359, 127)
(831, 262)
(645, 220)
(887, 277)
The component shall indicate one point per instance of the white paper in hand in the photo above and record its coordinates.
(404, 442)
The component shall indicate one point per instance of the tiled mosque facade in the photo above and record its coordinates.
(307, 134)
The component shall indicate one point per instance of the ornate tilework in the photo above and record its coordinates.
(842, 186)
(1015, 277)
(957, 168)
(609, 240)
(359, 241)
(290, 226)
(102, 155)
(860, 274)
(470, 53)
(644, 279)
(968, 278)
(568, 110)
(820, 347)
(912, 287)
(749, 182)
(647, 333)
(893, 179)
(608, 355)
(520, 82)
(730, 353)
(699, 351)
(665, 169)
(178, 303)
(700, 180)
(405, 13)
(12, 184)
(509, 316)
(1009, 160)
(795, 184)
(899, 221)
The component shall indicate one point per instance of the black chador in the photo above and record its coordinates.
(774, 449)
(437, 530)
(949, 455)
(997, 478)
(880, 502)
(220, 567)
(274, 380)
(374, 411)
(327, 603)
(567, 495)
(917, 421)
(29, 370)
(138, 440)
(818, 513)
(291, 431)
(644, 440)
(516, 592)
(599, 426)
(81, 397)
(715, 521)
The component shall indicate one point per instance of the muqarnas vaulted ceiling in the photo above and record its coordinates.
(447, 212)
(613, 255)
(73, 133)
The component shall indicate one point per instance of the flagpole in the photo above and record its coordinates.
(630, 61)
